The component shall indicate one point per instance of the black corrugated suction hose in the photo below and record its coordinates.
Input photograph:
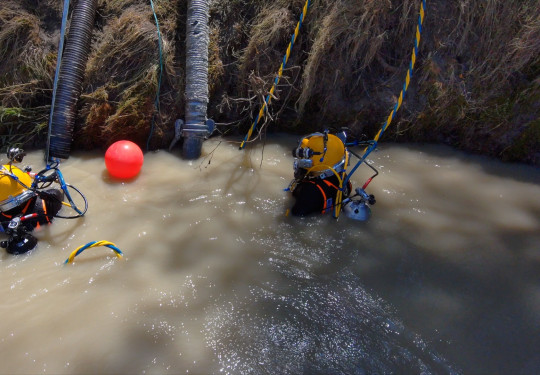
(70, 78)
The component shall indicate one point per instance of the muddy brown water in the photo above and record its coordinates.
(444, 278)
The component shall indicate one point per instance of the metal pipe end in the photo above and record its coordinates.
(192, 147)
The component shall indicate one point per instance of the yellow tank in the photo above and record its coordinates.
(13, 193)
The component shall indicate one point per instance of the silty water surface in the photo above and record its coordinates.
(444, 278)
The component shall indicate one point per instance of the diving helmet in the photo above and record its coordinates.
(320, 155)
(14, 184)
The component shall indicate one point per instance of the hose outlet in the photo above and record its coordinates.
(196, 133)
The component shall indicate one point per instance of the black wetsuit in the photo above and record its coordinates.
(46, 205)
(316, 195)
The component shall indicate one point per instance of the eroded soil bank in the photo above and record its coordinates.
(475, 85)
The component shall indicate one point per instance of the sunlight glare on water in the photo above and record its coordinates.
(216, 279)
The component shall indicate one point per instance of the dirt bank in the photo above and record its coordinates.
(475, 86)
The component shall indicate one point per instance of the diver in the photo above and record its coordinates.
(321, 183)
(319, 170)
(24, 207)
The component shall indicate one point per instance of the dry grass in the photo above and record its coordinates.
(17, 29)
(475, 85)
(122, 79)
(479, 80)
(22, 52)
(125, 49)
(25, 76)
(348, 39)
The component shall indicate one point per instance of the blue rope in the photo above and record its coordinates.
(373, 146)
(91, 244)
(264, 107)
(160, 76)
(57, 72)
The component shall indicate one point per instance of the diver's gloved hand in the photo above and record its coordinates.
(50, 178)
(41, 177)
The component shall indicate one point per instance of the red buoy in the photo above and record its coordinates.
(124, 159)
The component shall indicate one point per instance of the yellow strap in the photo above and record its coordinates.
(339, 196)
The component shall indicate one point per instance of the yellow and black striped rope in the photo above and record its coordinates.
(278, 77)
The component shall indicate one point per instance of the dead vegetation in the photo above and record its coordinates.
(123, 76)
(24, 75)
(475, 86)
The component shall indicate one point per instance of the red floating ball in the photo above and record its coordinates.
(124, 159)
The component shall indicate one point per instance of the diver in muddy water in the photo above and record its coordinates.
(320, 182)
(24, 206)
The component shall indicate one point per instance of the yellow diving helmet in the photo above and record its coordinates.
(12, 192)
(320, 154)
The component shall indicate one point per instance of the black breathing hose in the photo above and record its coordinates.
(70, 78)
